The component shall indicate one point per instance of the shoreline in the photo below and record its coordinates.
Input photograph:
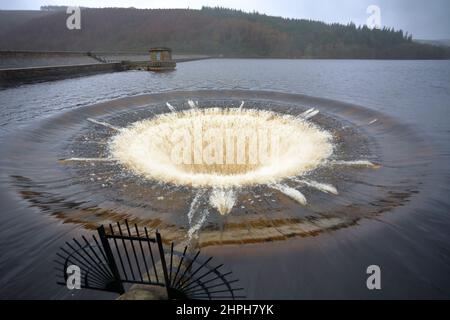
(25, 67)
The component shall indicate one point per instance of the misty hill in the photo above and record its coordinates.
(9, 20)
(443, 42)
(212, 31)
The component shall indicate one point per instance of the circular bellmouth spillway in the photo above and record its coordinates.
(222, 148)
(219, 167)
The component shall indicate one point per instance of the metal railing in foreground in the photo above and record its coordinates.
(128, 255)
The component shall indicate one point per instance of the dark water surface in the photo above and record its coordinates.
(411, 243)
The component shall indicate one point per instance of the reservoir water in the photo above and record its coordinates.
(410, 241)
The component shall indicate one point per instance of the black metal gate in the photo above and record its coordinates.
(123, 255)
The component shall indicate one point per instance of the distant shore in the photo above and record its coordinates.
(10, 59)
(21, 67)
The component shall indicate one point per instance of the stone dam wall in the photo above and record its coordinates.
(21, 67)
(16, 76)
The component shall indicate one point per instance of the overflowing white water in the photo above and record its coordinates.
(220, 151)
(195, 204)
(324, 187)
(197, 225)
(223, 148)
(196, 215)
(104, 124)
(171, 107)
(356, 163)
(223, 200)
(308, 114)
(292, 193)
(193, 104)
(86, 160)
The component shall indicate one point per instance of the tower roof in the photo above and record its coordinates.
(160, 49)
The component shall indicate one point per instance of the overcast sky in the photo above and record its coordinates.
(425, 19)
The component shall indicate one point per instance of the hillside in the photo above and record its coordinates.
(442, 43)
(9, 20)
(211, 31)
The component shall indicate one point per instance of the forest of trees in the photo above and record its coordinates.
(212, 31)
